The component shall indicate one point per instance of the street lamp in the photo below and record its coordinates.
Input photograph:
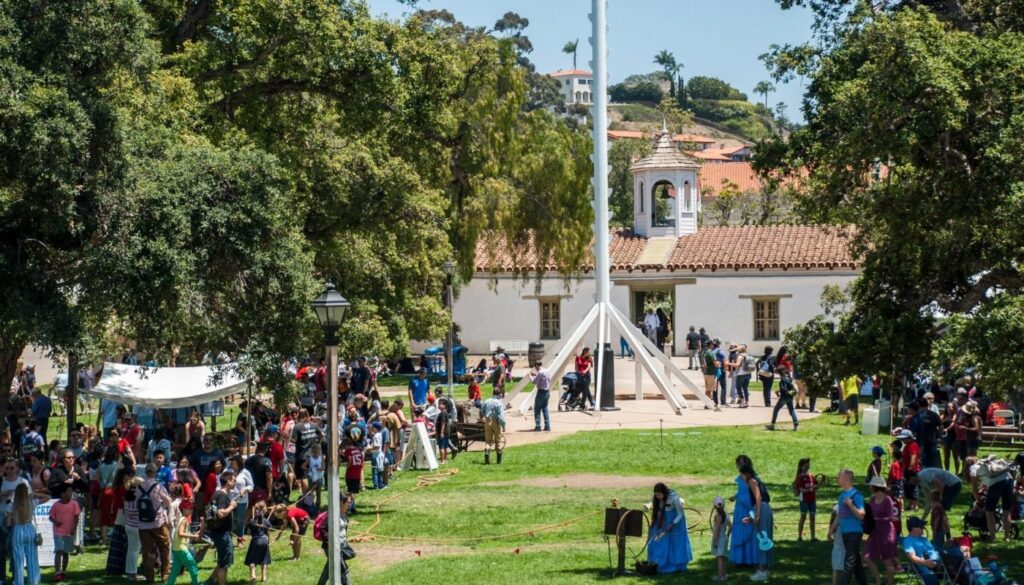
(330, 309)
(449, 271)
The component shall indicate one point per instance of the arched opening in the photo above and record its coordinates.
(642, 197)
(687, 197)
(662, 194)
(579, 96)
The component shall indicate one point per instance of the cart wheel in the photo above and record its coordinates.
(502, 445)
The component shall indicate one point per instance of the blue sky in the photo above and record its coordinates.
(720, 38)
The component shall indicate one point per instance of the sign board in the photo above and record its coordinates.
(41, 521)
(419, 451)
(519, 346)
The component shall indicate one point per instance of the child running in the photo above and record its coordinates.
(259, 547)
(64, 516)
(721, 531)
(806, 487)
(181, 556)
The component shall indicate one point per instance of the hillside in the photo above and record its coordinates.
(646, 118)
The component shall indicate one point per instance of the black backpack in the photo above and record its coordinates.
(144, 504)
(868, 522)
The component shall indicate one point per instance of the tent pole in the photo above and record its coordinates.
(248, 421)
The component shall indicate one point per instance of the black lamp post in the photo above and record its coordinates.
(330, 310)
(449, 272)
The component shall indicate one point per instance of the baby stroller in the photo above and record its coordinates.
(833, 400)
(572, 397)
(960, 570)
(976, 520)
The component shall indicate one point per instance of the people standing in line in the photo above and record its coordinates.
(881, 546)
(541, 379)
(651, 325)
(745, 370)
(664, 328)
(705, 340)
(693, 349)
(493, 413)
(711, 371)
(786, 393)
(732, 367)
(721, 376)
(584, 367)
(668, 543)
(766, 374)
(24, 555)
(850, 514)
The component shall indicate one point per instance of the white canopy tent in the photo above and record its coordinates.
(163, 387)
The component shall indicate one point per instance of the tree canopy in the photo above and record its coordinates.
(914, 134)
(186, 175)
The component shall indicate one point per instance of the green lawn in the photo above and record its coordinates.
(468, 526)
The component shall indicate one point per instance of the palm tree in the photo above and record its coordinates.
(764, 88)
(668, 64)
(571, 47)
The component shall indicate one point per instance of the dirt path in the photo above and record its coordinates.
(596, 481)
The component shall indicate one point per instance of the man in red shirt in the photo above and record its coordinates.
(276, 450)
(131, 435)
(911, 464)
(353, 455)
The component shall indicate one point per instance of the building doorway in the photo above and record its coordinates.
(662, 301)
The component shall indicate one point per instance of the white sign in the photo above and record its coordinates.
(519, 346)
(41, 520)
(419, 451)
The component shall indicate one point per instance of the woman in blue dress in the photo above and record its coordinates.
(668, 543)
(752, 521)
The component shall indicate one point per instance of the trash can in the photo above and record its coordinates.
(884, 414)
(535, 353)
(869, 421)
(607, 355)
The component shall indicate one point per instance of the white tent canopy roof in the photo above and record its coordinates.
(164, 387)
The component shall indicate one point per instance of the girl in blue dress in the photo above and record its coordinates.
(668, 543)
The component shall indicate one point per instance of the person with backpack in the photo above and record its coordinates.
(996, 476)
(850, 514)
(766, 374)
(154, 505)
(881, 532)
(321, 532)
(711, 371)
(745, 370)
(786, 393)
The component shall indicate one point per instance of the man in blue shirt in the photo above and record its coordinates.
(720, 376)
(493, 413)
(920, 551)
(42, 406)
(109, 416)
(419, 387)
(851, 512)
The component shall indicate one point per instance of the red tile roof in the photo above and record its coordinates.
(712, 174)
(693, 138)
(571, 72)
(710, 155)
(781, 247)
(778, 247)
(620, 134)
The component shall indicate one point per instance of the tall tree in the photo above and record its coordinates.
(671, 67)
(914, 135)
(764, 88)
(570, 49)
(621, 155)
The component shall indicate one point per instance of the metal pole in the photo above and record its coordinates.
(451, 338)
(71, 394)
(333, 446)
(248, 423)
(599, 42)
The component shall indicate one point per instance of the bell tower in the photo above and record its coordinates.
(665, 197)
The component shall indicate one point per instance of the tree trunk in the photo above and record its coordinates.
(8, 366)
(71, 394)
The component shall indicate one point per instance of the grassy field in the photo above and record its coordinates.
(531, 521)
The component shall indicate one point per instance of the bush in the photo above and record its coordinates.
(702, 87)
(640, 92)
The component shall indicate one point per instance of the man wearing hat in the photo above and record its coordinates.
(920, 551)
(493, 412)
(419, 388)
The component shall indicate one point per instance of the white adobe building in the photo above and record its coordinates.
(745, 284)
(576, 86)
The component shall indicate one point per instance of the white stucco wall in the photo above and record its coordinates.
(510, 309)
(720, 303)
